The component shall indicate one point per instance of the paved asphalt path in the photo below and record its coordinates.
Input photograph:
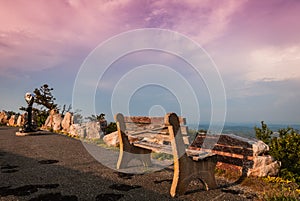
(56, 167)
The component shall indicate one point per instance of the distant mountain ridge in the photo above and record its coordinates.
(244, 129)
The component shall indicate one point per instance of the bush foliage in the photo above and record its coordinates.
(285, 147)
(112, 127)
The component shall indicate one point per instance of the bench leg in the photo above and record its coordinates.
(123, 159)
(125, 156)
(129, 152)
(186, 170)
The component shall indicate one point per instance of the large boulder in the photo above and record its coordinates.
(76, 130)
(264, 166)
(259, 148)
(21, 120)
(92, 130)
(88, 130)
(49, 121)
(3, 117)
(53, 121)
(12, 120)
(67, 122)
(56, 124)
(112, 139)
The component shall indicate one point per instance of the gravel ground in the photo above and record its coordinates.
(56, 167)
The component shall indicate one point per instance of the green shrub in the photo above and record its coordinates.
(40, 117)
(281, 198)
(112, 127)
(285, 147)
(264, 133)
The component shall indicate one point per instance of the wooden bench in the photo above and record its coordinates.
(234, 152)
(139, 136)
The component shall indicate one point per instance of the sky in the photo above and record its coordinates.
(253, 45)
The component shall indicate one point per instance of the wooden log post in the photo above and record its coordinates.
(127, 150)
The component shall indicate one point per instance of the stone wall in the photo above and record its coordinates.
(13, 120)
(88, 130)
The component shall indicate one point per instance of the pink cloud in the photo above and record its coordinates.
(40, 35)
(203, 21)
(261, 23)
(43, 34)
(257, 33)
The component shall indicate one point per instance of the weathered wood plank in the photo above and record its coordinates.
(221, 153)
(202, 156)
(162, 130)
(157, 148)
(144, 120)
(186, 140)
(235, 161)
(229, 149)
(149, 120)
(154, 138)
(220, 139)
(159, 130)
(184, 130)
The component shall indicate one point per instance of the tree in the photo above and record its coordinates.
(64, 110)
(10, 113)
(44, 97)
(96, 117)
(112, 127)
(101, 117)
(78, 118)
(264, 133)
(91, 118)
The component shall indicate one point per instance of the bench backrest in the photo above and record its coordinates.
(230, 150)
(150, 127)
